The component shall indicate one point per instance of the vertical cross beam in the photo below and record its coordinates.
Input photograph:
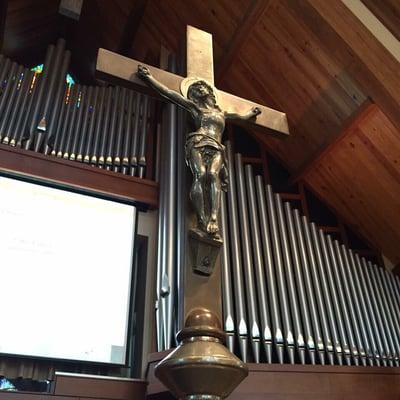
(199, 54)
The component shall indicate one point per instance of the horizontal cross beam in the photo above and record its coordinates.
(122, 70)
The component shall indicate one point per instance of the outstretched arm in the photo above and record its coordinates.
(249, 115)
(144, 74)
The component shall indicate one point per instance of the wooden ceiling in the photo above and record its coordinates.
(312, 59)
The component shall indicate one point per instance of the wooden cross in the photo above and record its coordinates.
(199, 53)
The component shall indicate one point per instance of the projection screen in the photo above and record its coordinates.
(65, 272)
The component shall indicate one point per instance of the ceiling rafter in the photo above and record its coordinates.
(351, 123)
(131, 27)
(253, 14)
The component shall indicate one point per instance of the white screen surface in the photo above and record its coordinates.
(65, 272)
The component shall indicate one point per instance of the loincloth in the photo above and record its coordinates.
(208, 148)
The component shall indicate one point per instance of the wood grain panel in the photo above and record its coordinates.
(164, 23)
(304, 80)
(361, 179)
(388, 12)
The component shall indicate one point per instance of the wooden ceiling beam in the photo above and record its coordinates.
(351, 123)
(131, 27)
(253, 14)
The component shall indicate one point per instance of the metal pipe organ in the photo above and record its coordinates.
(291, 293)
(106, 127)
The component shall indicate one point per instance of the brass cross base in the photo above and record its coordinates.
(204, 250)
(201, 367)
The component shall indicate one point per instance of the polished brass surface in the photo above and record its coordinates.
(199, 50)
(205, 153)
(201, 367)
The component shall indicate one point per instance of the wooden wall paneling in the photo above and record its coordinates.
(30, 26)
(388, 12)
(254, 12)
(371, 59)
(219, 18)
(361, 114)
(131, 26)
(359, 185)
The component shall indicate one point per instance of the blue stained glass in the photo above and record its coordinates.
(69, 79)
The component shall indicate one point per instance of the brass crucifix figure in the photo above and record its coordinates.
(204, 150)
(209, 109)
(200, 367)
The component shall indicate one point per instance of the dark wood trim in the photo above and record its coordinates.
(82, 387)
(362, 113)
(294, 382)
(253, 14)
(78, 175)
(132, 25)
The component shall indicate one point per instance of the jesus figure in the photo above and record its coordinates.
(205, 153)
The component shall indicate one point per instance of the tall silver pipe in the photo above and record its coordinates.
(13, 103)
(298, 329)
(88, 113)
(49, 101)
(309, 288)
(135, 134)
(169, 276)
(353, 304)
(342, 301)
(309, 336)
(111, 132)
(385, 309)
(270, 269)
(181, 237)
(395, 289)
(17, 112)
(337, 348)
(77, 132)
(127, 133)
(161, 242)
(72, 122)
(335, 297)
(310, 246)
(118, 151)
(394, 314)
(387, 357)
(95, 115)
(8, 85)
(55, 139)
(67, 121)
(58, 101)
(105, 132)
(6, 98)
(227, 301)
(241, 317)
(365, 319)
(265, 319)
(252, 308)
(398, 282)
(38, 103)
(284, 303)
(143, 136)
